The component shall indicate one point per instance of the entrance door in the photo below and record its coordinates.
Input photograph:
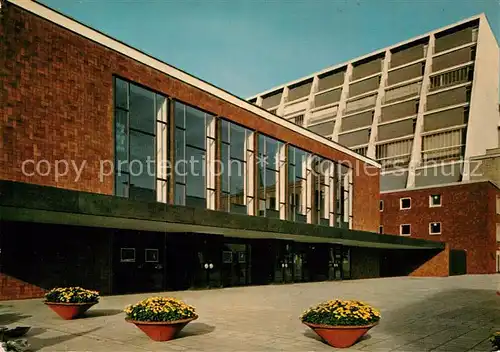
(335, 263)
(235, 264)
(209, 264)
(138, 262)
(284, 263)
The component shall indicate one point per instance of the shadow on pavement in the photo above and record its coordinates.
(194, 329)
(442, 317)
(38, 343)
(101, 313)
(11, 317)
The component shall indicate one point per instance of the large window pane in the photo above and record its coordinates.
(238, 137)
(121, 94)
(121, 140)
(180, 120)
(180, 194)
(142, 166)
(195, 127)
(237, 182)
(225, 165)
(180, 156)
(195, 178)
(224, 131)
(121, 184)
(142, 109)
(142, 153)
(137, 111)
(233, 157)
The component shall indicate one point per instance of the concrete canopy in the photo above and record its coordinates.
(33, 203)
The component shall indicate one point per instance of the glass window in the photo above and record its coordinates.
(137, 113)
(190, 155)
(233, 168)
(268, 171)
(405, 230)
(435, 200)
(435, 228)
(195, 128)
(297, 164)
(322, 168)
(121, 94)
(142, 109)
(405, 203)
(121, 140)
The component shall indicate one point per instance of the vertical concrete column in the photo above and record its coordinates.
(161, 152)
(210, 163)
(342, 103)
(351, 196)
(378, 106)
(309, 189)
(416, 151)
(284, 99)
(310, 100)
(331, 193)
(259, 101)
(282, 181)
(250, 174)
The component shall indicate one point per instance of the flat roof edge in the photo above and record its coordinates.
(373, 53)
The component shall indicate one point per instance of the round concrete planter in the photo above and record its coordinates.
(161, 330)
(69, 311)
(340, 336)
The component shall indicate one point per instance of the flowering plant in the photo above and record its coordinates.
(160, 309)
(344, 313)
(71, 295)
(495, 341)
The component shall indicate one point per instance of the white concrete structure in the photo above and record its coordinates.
(429, 100)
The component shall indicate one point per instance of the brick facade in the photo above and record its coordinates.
(467, 216)
(56, 103)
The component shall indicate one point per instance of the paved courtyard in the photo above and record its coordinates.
(418, 314)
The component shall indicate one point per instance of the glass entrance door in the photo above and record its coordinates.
(284, 263)
(209, 264)
(235, 264)
(335, 263)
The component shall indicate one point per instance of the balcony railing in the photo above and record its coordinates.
(446, 79)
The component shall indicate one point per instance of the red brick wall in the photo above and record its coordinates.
(56, 103)
(12, 288)
(467, 216)
(436, 266)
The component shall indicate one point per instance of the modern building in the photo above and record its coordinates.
(464, 215)
(431, 100)
(121, 173)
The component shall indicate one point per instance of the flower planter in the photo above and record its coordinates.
(161, 330)
(69, 311)
(340, 336)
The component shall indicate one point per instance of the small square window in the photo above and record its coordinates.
(151, 255)
(381, 230)
(435, 200)
(405, 230)
(405, 203)
(381, 205)
(435, 228)
(127, 255)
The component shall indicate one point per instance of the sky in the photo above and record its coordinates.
(249, 46)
